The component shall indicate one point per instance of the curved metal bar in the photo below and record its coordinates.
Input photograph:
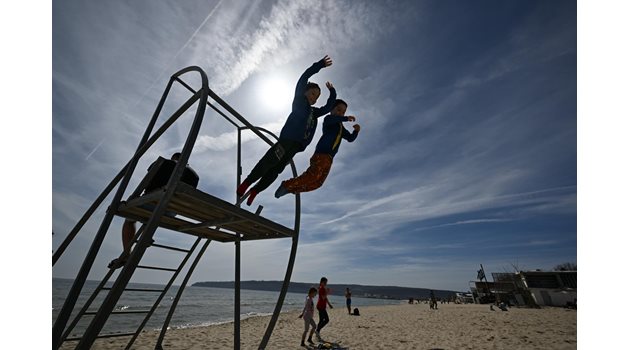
(158, 345)
(292, 255)
(145, 240)
(75, 230)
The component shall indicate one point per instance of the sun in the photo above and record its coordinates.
(276, 94)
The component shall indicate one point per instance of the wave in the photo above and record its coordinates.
(216, 323)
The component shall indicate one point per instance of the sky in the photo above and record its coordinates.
(467, 153)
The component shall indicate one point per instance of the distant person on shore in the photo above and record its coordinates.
(308, 313)
(349, 300)
(322, 301)
(296, 134)
(333, 132)
(432, 302)
(159, 180)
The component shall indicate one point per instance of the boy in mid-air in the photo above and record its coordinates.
(296, 133)
(327, 147)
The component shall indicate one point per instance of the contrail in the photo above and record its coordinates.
(167, 64)
(94, 150)
(178, 52)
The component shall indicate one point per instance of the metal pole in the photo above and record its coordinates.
(237, 293)
(287, 276)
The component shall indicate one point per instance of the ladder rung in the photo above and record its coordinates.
(156, 268)
(169, 247)
(121, 312)
(138, 289)
(104, 336)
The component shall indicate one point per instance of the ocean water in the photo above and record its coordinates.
(198, 306)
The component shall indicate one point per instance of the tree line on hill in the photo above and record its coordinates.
(381, 292)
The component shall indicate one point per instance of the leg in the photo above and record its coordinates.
(313, 326)
(290, 149)
(267, 161)
(306, 324)
(313, 177)
(128, 231)
(323, 320)
(264, 164)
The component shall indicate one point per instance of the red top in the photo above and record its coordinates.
(322, 297)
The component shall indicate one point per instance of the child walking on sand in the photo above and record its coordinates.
(327, 147)
(307, 313)
(296, 133)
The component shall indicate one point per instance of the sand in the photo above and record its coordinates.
(402, 326)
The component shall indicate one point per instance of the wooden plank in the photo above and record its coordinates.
(193, 204)
(196, 195)
(174, 224)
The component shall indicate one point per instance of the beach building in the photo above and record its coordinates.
(464, 298)
(554, 288)
(528, 288)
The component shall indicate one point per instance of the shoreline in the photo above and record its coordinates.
(405, 326)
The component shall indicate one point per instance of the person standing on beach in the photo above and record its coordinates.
(322, 301)
(308, 313)
(349, 300)
(296, 134)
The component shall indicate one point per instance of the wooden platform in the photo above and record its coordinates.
(199, 213)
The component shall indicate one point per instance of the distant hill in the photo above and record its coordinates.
(381, 292)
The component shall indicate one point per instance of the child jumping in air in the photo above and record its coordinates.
(327, 147)
(307, 313)
(296, 133)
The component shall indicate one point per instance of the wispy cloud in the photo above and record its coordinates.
(454, 136)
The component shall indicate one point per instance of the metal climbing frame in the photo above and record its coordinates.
(198, 214)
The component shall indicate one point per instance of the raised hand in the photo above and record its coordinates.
(357, 127)
(329, 85)
(351, 118)
(327, 61)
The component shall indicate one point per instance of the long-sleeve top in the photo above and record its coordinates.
(332, 133)
(322, 297)
(309, 309)
(302, 122)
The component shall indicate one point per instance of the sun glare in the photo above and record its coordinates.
(276, 95)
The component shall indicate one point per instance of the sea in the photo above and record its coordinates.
(197, 307)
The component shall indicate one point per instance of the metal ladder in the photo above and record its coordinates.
(148, 313)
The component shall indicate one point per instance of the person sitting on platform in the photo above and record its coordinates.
(296, 134)
(327, 147)
(159, 180)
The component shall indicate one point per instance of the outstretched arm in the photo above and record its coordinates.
(300, 87)
(351, 137)
(335, 119)
(319, 111)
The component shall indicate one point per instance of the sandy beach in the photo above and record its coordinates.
(403, 326)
